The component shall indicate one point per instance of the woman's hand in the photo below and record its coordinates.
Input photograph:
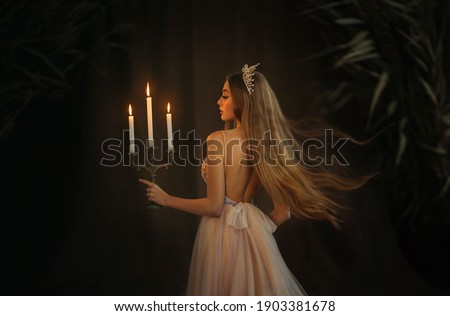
(155, 193)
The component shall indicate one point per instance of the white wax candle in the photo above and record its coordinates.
(150, 118)
(131, 129)
(169, 128)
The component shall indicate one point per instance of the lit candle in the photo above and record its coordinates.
(131, 129)
(151, 141)
(169, 128)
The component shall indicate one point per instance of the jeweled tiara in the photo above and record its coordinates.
(247, 76)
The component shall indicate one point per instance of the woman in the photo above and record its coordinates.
(235, 252)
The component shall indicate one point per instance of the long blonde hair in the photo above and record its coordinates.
(303, 189)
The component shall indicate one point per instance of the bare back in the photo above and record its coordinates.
(241, 180)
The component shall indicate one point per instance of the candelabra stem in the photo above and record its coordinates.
(151, 167)
(152, 206)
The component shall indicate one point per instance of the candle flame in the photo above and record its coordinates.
(129, 110)
(168, 107)
(148, 89)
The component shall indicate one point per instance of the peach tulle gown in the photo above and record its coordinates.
(236, 254)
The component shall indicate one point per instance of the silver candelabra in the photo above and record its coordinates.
(152, 167)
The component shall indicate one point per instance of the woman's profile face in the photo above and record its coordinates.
(225, 104)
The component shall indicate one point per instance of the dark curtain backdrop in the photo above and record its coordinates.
(75, 227)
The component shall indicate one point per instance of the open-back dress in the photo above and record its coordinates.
(236, 254)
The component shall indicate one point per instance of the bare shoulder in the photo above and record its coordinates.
(217, 135)
(215, 147)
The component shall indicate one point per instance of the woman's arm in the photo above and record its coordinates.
(280, 213)
(212, 204)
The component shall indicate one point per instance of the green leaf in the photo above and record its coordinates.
(349, 21)
(430, 48)
(335, 106)
(336, 93)
(411, 40)
(391, 107)
(365, 57)
(325, 7)
(429, 90)
(402, 142)
(395, 4)
(420, 62)
(353, 54)
(363, 45)
(358, 38)
(437, 150)
(381, 85)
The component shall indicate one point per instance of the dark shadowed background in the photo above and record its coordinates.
(72, 226)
